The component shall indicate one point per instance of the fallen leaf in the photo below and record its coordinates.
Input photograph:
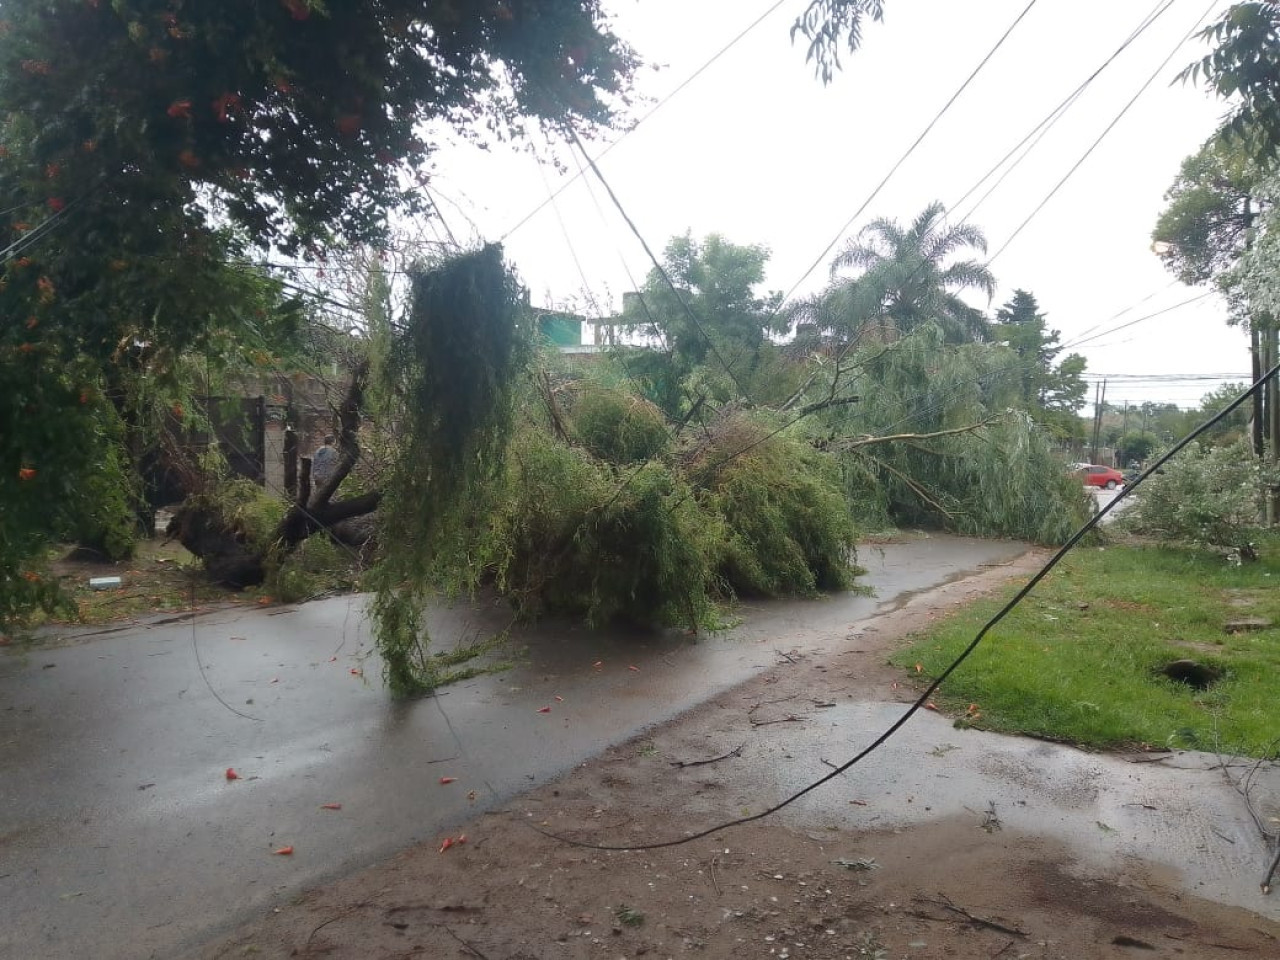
(931, 705)
(559, 699)
(448, 842)
(598, 664)
(330, 806)
(231, 774)
(444, 780)
(333, 659)
(263, 601)
(275, 679)
(544, 709)
(284, 852)
(633, 667)
(462, 838)
(919, 667)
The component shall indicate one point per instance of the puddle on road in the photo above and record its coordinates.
(1180, 815)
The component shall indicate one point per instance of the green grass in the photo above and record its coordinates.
(1076, 660)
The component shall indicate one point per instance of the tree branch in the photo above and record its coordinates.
(850, 444)
(916, 488)
(348, 445)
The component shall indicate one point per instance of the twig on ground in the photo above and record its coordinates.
(735, 752)
(828, 762)
(1271, 872)
(789, 718)
(945, 903)
(1003, 950)
(469, 947)
(789, 657)
(714, 882)
(306, 946)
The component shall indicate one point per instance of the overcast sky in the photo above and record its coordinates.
(758, 150)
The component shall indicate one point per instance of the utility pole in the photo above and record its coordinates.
(1099, 401)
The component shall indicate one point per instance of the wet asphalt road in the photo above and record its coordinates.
(120, 836)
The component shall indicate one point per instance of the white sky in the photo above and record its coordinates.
(758, 150)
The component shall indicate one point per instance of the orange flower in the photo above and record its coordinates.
(177, 410)
(32, 323)
(223, 106)
(179, 108)
(26, 348)
(47, 289)
(22, 226)
(84, 396)
(189, 159)
(52, 170)
(26, 473)
(89, 146)
(56, 204)
(24, 261)
(30, 577)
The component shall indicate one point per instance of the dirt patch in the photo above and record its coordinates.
(785, 887)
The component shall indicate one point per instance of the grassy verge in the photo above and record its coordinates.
(1078, 659)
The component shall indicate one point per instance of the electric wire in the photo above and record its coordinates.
(905, 156)
(656, 107)
(1039, 131)
(1103, 135)
(919, 703)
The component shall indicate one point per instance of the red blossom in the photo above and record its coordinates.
(223, 106)
(298, 9)
(179, 108)
(188, 159)
(32, 323)
(24, 261)
(26, 473)
(349, 124)
(56, 204)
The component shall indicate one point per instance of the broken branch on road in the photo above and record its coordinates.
(735, 752)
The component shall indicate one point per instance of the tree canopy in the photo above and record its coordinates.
(1051, 389)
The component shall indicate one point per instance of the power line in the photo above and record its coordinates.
(656, 107)
(903, 159)
(657, 265)
(1080, 341)
(1102, 136)
(1057, 113)
(919, 703)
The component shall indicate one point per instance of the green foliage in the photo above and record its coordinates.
(149, 150)
(318, 565)
(1136, 446)
(618, 427)
(1209, 497)
(714, 319)
(1205, 224)
(450, 368)
(906, 278)
(787, 529)
(1077, 660)
(826, 23)
(1051, 392)
(573, 535)
(1244, 66)
(936, 440)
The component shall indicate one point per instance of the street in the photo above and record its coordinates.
(122, 837)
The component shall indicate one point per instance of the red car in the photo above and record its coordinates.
(1095, 476)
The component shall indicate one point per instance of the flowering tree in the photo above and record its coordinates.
(150, 149)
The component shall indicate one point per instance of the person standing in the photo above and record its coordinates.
(323, 462)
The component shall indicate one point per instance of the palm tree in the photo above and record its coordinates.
(908, 277)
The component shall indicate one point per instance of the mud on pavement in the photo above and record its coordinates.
(960, 845)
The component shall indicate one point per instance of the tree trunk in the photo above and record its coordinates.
(231, 560)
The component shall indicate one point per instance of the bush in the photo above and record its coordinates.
(573, 535)
(1206, 496)
(787, 528)
(617, 427)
